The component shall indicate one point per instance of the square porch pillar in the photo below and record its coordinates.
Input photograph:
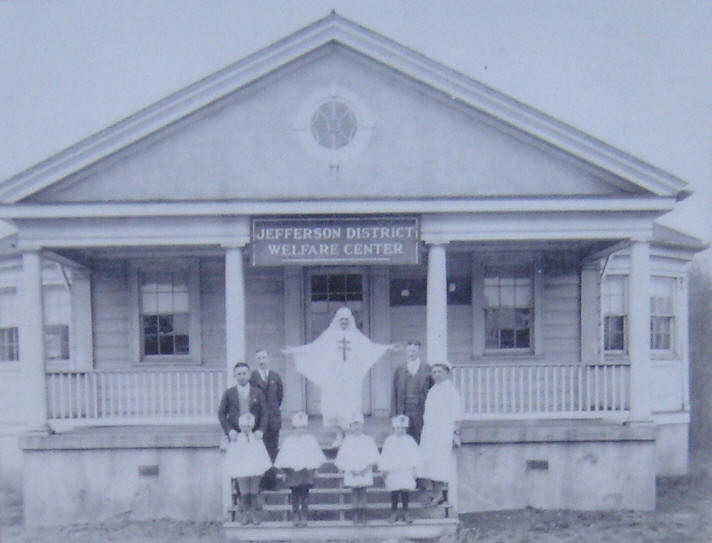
(31, 342)
(639, 325)
(234, 309)
(436, 304)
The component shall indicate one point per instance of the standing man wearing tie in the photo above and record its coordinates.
(411, 383)
(270, 383)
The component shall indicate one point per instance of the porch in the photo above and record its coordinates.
(511, 391)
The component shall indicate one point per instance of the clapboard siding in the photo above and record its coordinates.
(110, 307)
(408, 323)
(562, 316)
(265, 314)
(459, 337)
(212, 311)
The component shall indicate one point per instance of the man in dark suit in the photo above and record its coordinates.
(411, 382)
(239, 399)
(270, 383)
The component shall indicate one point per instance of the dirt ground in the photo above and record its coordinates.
(684, 514)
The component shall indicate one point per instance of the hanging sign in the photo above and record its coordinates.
(341, 240)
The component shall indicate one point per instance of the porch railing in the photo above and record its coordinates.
(488, 391)
(543, 390)
(134, 397)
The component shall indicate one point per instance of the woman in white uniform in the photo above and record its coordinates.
(440, 431)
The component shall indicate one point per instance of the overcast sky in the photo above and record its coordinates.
(636, 74)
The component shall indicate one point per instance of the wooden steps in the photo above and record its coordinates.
(330, 513)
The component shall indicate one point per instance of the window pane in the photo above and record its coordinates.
(165, 345)
(165, 324)
(150, 345)
(661, 333)
(182, 344)
(506, 338)
(522, 339)
(57, 342)
(9, 347)
(614, 295)
(165, 306)
(509, 307)
(150, 324)
(318, 283)
(614, 333)
(491, 329)
(337, 283)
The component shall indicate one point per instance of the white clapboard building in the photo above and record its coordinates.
(337, 167)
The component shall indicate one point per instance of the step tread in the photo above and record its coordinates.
(337, 523)
(340, 506)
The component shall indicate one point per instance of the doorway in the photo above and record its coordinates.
(326, 290)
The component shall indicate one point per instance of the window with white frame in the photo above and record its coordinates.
(509, 307)
(662, 313)
(9, 346)
(167, 302)
(615, 313)
(57, 317)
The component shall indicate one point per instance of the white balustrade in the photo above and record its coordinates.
(157, 396)
(538, 390)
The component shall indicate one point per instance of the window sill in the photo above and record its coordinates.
(162, 362)
(497, 356)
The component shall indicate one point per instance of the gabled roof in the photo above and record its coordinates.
(336, 29)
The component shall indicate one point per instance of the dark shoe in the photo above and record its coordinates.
(406, 518)
(245, 519)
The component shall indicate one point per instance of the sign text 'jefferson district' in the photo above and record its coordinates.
(367, 240)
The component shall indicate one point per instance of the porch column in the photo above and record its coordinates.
(436, 309)
(31, 342)
(234, 309)
(639, 326)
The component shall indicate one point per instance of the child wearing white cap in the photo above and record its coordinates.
(299, 457)
(246, 460)
(402, 462)
(356, 457)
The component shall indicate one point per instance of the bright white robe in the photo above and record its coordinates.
(442, 409)
(357, 453)
(246, 457)
(337, 361)
(300, 451)
(402, 461)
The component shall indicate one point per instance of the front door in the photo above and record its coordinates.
(328, 289)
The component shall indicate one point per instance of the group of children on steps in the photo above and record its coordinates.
(300, 456)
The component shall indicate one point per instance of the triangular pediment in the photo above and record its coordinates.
(419, 131)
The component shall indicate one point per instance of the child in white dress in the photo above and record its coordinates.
(402, 462)
(299, 457)
(246, 460)
(356, 457)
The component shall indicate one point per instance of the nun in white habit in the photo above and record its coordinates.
(337, 361)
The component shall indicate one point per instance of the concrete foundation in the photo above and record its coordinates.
(671, 449)
(89, 477)
(558, 465)
(98, 474)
